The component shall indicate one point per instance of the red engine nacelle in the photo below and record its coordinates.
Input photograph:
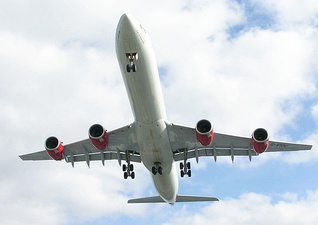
(54, 148)
(204, 132)
(98, 136)
(260, 140)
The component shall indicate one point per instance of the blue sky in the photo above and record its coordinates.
(241, 64)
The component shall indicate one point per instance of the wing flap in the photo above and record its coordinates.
(214, 152)
(108, 155)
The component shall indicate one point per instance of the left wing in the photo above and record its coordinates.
(185, 145)
(122, 146)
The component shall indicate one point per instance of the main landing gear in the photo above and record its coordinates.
(132, 58)
(185, 169)
(128, 168)
(157, 168)
(128, 171)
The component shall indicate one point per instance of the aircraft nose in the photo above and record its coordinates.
(126, 21)
(127, 28)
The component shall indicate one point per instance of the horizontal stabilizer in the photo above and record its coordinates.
(180, 198)
(185, 198)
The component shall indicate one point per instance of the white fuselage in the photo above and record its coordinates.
(146, 100)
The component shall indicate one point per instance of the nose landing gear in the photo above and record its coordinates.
(132, 58)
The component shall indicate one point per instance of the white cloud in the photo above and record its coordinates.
(252, 208)
(258, 79)
(292, 13)
(34, 56)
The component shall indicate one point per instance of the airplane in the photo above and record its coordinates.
(151, 139)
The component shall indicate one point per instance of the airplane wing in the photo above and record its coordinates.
(122, 144)
(185, 145)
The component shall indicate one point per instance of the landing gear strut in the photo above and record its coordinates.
(157, 168)
(132, 58)
(128, 168)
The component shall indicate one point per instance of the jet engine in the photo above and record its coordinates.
(204, 132)
(260, 140)
(54, 148)
(98, 136)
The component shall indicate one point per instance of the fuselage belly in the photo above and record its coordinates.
(140, 73)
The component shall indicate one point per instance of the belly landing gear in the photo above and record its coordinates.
(157, 168)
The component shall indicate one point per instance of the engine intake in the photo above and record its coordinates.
(260, 140)
(98, 136)
(54, 148)
(204, 132)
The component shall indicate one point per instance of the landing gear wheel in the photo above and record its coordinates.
(134, 67)
(154, 170)
(185, 169)
(128, 68)
(131, 167)
(160, 170)
(128, 168)
(124, 168)
(131, 57)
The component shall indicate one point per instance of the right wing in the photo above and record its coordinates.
(122, 145)
(185, 145)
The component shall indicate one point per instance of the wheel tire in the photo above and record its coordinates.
(134, 68)
(181, 166)
(182, 173)
(154, 170)
(125, 175)
(124, 168)
(132, 175)
(189, 173)
(189, 165)
(160, 170)
(128, 68)
(131, 167)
